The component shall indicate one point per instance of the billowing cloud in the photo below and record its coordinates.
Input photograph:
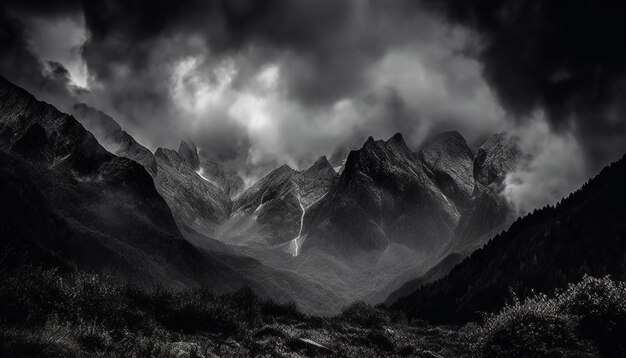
(259, 83)
(552, 167)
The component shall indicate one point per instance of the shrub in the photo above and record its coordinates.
(586, 319)
(521, 331)
(365, 315)
(600, 305)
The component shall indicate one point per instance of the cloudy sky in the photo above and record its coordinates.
(261, 83)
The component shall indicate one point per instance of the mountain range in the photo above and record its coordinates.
(69, 203)
(83, 193)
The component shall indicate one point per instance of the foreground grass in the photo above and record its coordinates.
(46, 314)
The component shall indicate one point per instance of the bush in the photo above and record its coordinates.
(587, 319)
(523, 332)
(600, 305)
(365, 315)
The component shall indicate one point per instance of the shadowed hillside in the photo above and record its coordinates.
(583, 234)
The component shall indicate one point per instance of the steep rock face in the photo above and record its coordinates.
(111, 136)
(487, 211)
(195, 203)
(271, 211)
(383, 195)
(450, 161)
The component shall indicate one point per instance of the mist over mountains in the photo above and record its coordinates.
(316, 226)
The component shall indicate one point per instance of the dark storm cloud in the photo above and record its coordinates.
(347, 69)
(267, 82)
(567, 58)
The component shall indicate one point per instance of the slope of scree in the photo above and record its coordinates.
(549, 248)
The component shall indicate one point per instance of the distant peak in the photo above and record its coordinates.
(321, 163)
(397, 143)
(396, 138)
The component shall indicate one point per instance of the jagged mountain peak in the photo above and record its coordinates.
(383, 195)
(189, 152)
(396, 138)
(320, 165)
(377, 159)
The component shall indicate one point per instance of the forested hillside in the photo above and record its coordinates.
(549, 248)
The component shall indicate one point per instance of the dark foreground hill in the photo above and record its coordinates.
(583, 234)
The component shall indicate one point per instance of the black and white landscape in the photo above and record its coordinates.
(239, 178)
